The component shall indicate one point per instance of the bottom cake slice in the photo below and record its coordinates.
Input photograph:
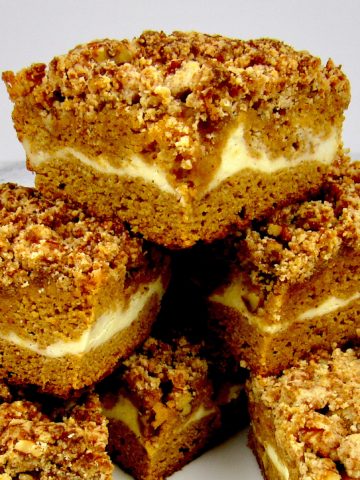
(305, 424)
(162, 410)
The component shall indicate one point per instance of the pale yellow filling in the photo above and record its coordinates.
(270, 454)
(105, 327)
(234, 158)
(235, 294)
(126, 412)
(277, 463)
(196, 416)
(331, 304)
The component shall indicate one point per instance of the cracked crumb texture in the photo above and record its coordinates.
(314, 411)
(145, 129)
(5, 393)
(40, 239)
(178, 90)
(178, 368)
(301, 238)
(161, 409)
(35, 446)
(165, 378)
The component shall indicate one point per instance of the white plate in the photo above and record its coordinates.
(229, 461)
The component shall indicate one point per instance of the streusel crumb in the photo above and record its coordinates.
(298, 239)
(52, 240)
(186, 84)
(35, 446)
(315, 409)
(186, 136)
(162, 372)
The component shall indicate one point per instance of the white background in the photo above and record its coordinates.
(36, 30)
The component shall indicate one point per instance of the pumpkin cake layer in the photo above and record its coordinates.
(66, 443)
(306, 422)
(160, 408)
(76, 293)
(294, 280)
(183, 136)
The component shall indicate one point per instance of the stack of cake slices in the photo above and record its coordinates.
(191, 244)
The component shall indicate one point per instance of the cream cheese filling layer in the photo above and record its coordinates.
(235, 157)
(106, 326)
(233, 297)
(272, 455)
(126, 412)
(196, 416)
(134, 166)
(331, 304)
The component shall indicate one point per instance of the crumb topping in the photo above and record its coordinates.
(5, 394)
(169, 73)
(316, 411)
(164, 368)
(34, 446)
(300, 238)
(177, 91)
(165, 380)
(39, 239)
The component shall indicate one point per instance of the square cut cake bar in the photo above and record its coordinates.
(294, 281)
(44, 441)
(161, 408)
(76, 293)
(184, 136)
(305, 423)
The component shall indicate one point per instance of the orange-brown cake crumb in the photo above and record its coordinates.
(306, 422)
(178, 134)
(77, 292)
(34, 445)
(160, 408)
(294, 279)
(5, 393)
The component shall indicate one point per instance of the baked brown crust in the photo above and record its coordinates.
(51, 240)
(296, 241)
(310, 416)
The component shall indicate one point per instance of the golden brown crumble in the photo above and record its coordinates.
(160, 362)
(52, 240)
(164, 380)
(158, 70)
(5, 394)
(177, 91)
(316, 412)
(35, 446)
(302, 237)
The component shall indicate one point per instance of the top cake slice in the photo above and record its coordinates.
(184, 136)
